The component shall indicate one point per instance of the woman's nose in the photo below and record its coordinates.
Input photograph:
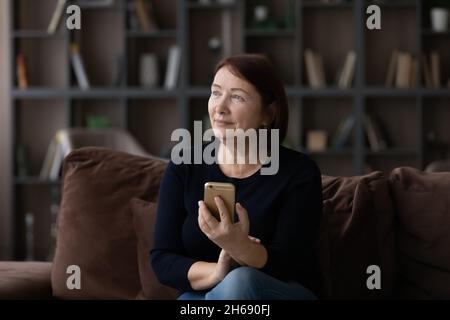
(221, 106)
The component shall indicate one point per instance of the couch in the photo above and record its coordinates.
(387, 233)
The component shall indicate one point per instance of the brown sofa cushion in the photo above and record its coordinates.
(144, 216)
(357, 231)
(25, 280)
(422, 201)
(95, 228)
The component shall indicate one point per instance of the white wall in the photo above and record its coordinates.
(5, 171)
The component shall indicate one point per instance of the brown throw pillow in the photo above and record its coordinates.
(357, 231)
(422, 201)
(95, 228)
(144, 217)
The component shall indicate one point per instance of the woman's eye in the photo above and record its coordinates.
(237, 97)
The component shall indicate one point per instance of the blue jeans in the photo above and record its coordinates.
(245, 283)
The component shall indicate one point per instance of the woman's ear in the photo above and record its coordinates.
(269, 114)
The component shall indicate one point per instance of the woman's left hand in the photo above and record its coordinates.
(224, 233)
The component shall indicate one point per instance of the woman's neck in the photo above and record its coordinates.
(238, 163)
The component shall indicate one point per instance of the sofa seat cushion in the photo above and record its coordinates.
(95, 224)
(357, 231)
(422, 201)
(25, 280)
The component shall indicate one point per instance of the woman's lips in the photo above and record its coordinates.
(221, 123)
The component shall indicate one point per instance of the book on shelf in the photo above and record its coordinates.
(432, 70)
(145, 15)
(426, 72)
(346, 76)
(403, 77)
(78, 67)
(377, 140)
(402, 70)
(392, 67)
(435, 63)
(59, 147)
(314, 69)
(173, 68)
(343, 132)
(56, 17)
(21, 71)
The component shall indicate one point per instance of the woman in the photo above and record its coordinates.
(270, 252)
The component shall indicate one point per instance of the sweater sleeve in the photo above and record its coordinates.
(291, 254)
(168, 258)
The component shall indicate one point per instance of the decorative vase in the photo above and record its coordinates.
(439, 19)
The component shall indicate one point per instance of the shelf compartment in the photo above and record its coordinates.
(34, 15)
(212, 36)
(101, 32)
(136, 48)
(442, 47)
(37, 200)
(436, 129)
(42, 55)
(37, 121)
(395, 34)
(86, 110)
(280, 53)
(164, 15)
(333, 50)
(152, 122)
(327, 114)
(397, 121)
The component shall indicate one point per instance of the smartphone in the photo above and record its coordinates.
(226, 191)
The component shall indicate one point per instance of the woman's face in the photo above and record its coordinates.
(234, 104)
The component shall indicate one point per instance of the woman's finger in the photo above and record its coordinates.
(223, 211)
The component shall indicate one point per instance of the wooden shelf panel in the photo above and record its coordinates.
(100, 93)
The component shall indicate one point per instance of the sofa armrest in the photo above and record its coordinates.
(25, 280)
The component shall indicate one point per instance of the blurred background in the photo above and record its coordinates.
(360, 99)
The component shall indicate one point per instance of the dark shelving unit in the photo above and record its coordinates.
(54, 101)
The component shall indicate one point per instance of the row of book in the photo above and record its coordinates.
(404, 67)
(315, 70)
(81, 75)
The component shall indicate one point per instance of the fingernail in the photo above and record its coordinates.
(199, 203)
(238, 204)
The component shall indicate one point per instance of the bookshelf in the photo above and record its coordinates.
(413, 119)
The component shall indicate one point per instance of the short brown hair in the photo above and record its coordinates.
(261, 73)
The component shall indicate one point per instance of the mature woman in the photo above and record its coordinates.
(270, 252)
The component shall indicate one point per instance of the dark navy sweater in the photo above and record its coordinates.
(284, 212)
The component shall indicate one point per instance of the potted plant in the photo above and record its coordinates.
(439, 15)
